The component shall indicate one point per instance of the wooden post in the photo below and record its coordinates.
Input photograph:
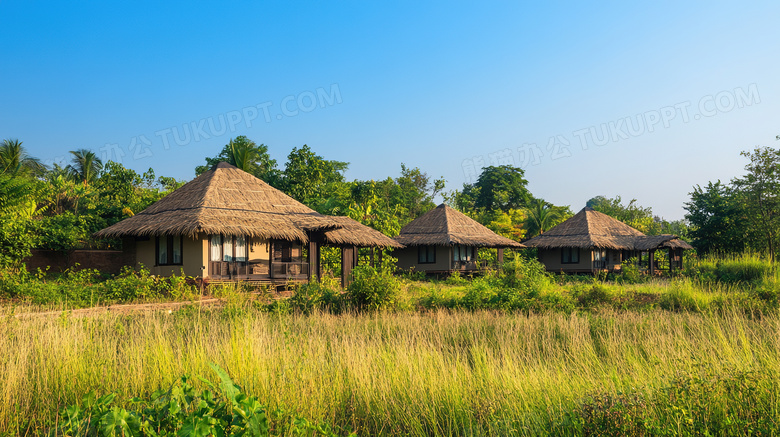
(271, 259)
(651, 262)
(314, 260)
(355, 254)
(346, 265)
(500, 257)
(671, 262)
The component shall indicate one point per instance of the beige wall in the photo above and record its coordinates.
(258, 250)
(194, 256)
(407, 258)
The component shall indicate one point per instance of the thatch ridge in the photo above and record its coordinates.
(354, 233)
(592, 229)
(444, 226)
(226, 200)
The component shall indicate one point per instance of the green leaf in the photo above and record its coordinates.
(229, 388)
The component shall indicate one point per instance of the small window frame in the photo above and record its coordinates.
(426, 254)
(169, 240)
(570, 255)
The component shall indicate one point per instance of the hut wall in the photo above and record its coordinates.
(407, 259)
(258, 250)
(551, 258)
(194, 256)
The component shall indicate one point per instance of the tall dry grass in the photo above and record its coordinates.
(440, 373)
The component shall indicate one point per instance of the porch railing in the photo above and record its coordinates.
(289, 270)
(465, 265)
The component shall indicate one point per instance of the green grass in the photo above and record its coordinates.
(516, 352)
(435, 373)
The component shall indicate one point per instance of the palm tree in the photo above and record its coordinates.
(243, 153)
(15, 160)
(541, 217)
(86, 166)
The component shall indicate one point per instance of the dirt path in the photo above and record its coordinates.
(126, 309)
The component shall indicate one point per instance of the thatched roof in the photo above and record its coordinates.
(227, 200)
(589, 229)
(350, 230)
(444, 226)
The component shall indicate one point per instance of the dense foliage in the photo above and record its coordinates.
(222, 409)
(744, 214)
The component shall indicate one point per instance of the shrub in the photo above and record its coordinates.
(222, 410)
(315, 295)
(525, 274)
(455, 278)
(594, 295)
(746, 268)
(372, 289)
(629, 272)
(480, 294)
(769, 291)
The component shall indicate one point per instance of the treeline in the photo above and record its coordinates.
(59, 208)
(743, 214)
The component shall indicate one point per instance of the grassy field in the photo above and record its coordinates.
(411, 373)
(516, 352)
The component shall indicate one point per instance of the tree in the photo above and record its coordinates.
(17, 203)
(542, 216)
(503, 187)
(760, 189)
(717, 219)
(14, 160)
(308, 176)
(633, 214)
(248, 156)
(85, 167)
(414, 191)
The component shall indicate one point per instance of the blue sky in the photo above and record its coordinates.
(446, 86)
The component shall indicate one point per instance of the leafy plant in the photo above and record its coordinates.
(224, 410)
(372, 289)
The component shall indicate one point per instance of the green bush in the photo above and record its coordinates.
(87, 287)
(455, 278)
(525, 274)
(769, 290)
(317, 295)
(481, 294)
(629, 272)
(220, 410)
(372, 289)
(594, 295)
(747, 269)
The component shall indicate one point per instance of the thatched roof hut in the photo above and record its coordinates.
(592, 229)
(444, 226)
(226, 200)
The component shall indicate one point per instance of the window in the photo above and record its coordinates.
(426, 254)
(216, 247)
(241, 249)
(228, 248)
(570, 255)
(168, 248)
(287, 251)
(463, 253)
